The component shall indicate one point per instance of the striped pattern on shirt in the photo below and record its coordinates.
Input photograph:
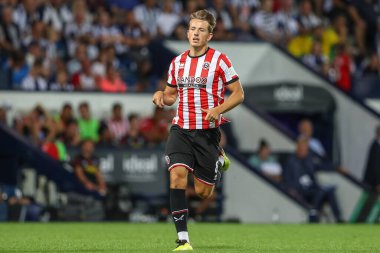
(200, 83)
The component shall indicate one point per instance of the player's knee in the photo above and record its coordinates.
(177, 180)
(203, 193)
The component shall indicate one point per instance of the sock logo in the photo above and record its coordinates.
(178, 219)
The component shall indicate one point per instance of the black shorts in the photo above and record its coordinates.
(196, 150)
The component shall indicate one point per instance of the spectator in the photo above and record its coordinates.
(147, 14)
(88, 126)
(343, 68)
(134, 137)
(241, 12)
(112, 82)
(105, 33)
(168, 19)
(10, 38)
(79, 29)
(287, 24)
(105, 136)
(221, 33)
(38, 126)
(372, 170)
(134, 35)
(368, 11)
(26, 13)
(306, 130)
(74, 65)
(306, 17)
(264, 23)
(35, 81)
(301, 44)
(332, 35)
(84, 80)
(117, 125)
(98, 68)
(372, 69)
(65, 116)
(17, 69)
(219, 9)
(51, 145)
(180, 32)
(37, 35)
(71, 135)
(350, 13)
(87, 169)
(57, 13)
(155, 128)
(316, 59)
(299, 176)
(266, 163)
(61, 83)
(34, 52)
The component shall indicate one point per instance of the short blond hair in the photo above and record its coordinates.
(204, 15)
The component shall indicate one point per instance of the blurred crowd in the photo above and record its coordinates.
(55, 133)
(66, 45)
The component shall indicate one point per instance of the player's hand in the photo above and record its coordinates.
(158, 99)
(212, 114)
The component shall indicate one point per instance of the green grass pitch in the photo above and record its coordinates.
(131, 237)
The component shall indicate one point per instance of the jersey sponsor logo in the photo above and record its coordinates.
(191, 82)
(206, 65)
(192, 79)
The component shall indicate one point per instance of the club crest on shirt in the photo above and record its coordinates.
(206, 65)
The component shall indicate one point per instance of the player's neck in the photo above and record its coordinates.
(198, 51)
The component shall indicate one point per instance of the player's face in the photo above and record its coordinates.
(198, 34)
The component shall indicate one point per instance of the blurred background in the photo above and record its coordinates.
(80, 139)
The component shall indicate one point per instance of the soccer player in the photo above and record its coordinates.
(199, 77)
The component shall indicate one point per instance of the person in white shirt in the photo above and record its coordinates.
(146, 14)
(168, 19)
(34, 81)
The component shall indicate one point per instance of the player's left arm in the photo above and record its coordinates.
(236, 98)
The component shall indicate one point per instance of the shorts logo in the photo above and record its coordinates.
(206, 65)
(167, 159)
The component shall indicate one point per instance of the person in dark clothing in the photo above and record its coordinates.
(372, 171)
(299, 177)
(87, 170)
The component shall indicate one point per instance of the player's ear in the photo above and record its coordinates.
(187, 33)
(210, 36)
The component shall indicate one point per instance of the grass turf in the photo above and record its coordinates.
(128, 237)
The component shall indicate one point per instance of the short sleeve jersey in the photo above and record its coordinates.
(201, 82)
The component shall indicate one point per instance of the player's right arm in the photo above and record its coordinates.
(166, 97)
(169, 95)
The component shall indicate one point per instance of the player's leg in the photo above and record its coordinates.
(203, 189)
(180, 162)
(178, 204)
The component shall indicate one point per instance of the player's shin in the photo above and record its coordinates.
(178, 206)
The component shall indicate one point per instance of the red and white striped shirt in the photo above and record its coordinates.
(201, 82)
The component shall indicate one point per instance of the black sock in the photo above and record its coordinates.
(178, 206)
